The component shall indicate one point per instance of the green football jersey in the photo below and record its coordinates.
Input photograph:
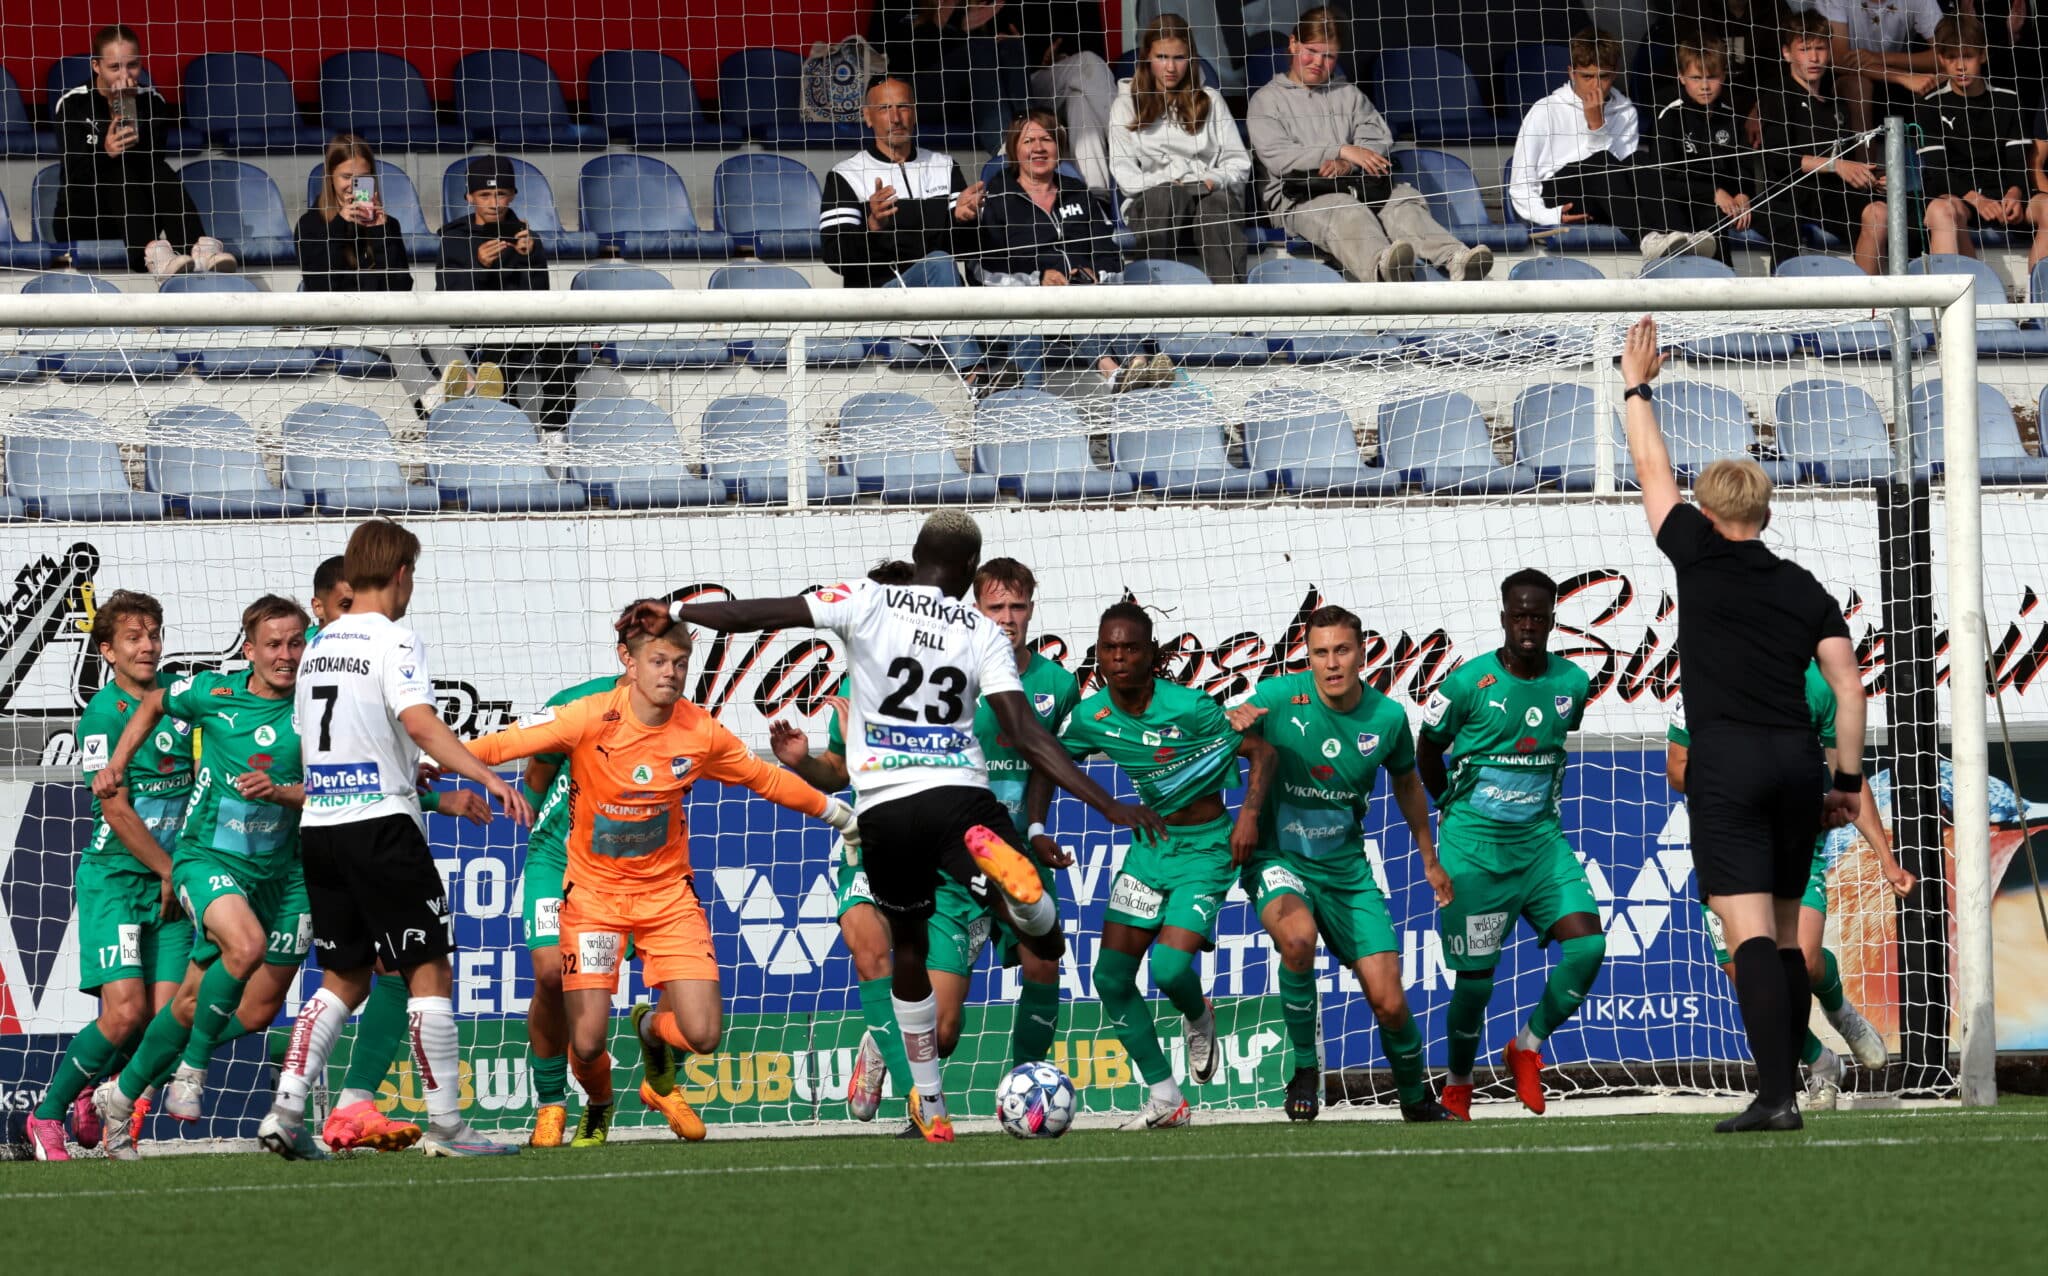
(1053, 693)
(1179, 750)
(159, 779)
(549, 837)
(1820, 710)
(1506, 736)
(1329, 762)
(244, 732)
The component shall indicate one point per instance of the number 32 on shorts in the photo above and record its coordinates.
(596, 952)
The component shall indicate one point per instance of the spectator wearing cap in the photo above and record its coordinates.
(492, 250)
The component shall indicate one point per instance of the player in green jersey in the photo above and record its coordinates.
(235, 866)
(1504, 717)
(133, 943)
(1334, 734)
(1823, 1066)
(1180, 752)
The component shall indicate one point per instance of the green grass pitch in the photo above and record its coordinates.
(1906, 1191)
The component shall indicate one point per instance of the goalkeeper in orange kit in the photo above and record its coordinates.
(634, 752)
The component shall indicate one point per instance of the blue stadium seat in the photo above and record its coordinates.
(74, 69)
(1865, 339)
(513, 100)
(98, 255)
(401, 203)
(1201, 350)
(1705, 423)
(516, 482)
(23, 254)
(1996, 338)
(19, 135)
(1306, 438)
(533, 203)
(212, 468)
(340, 458)
(895, 445)
(769, 203)
(1745, 347)
(229, 359)
(640, 354)
(2037, 283)
(1439, 443)
(624, 451)
(243, 103)
(67, 473)
(1317, 347)
(1577, 238)
(1171, 441)
(384, 98)
(647, 99)
(1553, 268)
(639, 206)
(240, 206)
(1430, 94)
(1557, 427)
(1531, 72)
(2002, 458)
(746, 446)
(758, 92)
(1037, 449)
(1833, 432)
(1447, 183)
(820, 349)
(104, 364)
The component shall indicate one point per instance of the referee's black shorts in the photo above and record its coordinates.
(1754, 795)
(906, 842)
(375, 893)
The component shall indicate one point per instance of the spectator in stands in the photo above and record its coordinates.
(1877, 68)
(1176, 155)
(1746, 30)
(1068, 57)
(492, 250)
(961, 63)
(347, 242)
(1807, 140)
(1574, 162)
(1327, 176)
(896, 211)
(1041, 227)
(1701, 130)
(1974, 148)
(116, 182)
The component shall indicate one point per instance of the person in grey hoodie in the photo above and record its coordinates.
(1327, 176)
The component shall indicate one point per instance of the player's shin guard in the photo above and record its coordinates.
(220, 995)
(437, 1058)
(594, 1075)
(1038, 1020)
(1116, 984)
(550, 1078)
(85, 1061)
(1465, 1022)
(1174, 972)
(1404, 1057)
(1578, 965)
(878, 1011)
(919, 1023)
(383, 1037)
(156, 1054)
(1760, 989)
(1828, 992)
(314, 1033)
(1298, 998)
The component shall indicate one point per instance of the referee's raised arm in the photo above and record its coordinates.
(1640, 363)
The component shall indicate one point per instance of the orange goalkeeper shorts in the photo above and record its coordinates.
(666, 927)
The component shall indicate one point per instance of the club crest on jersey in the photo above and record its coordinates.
(1044, 703)
(1534, 717)
(165, 742)
(406, 671)
(643, 774)
(1564, 706)
(1367, 743)
(1331, 748)
(679, 767)
(265, 736)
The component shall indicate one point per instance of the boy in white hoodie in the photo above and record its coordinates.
(1176, 156)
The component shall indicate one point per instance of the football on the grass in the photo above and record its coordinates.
(1036, 1101)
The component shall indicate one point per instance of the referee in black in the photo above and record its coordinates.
(1748, 623)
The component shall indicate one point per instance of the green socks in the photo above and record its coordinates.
(1038, 1018)
(1466, 1020)
(1174, 972)
(1812, 1049)
(157, 1054)
(220, 995)
(879, 1012)
(1570, 980)
(550, 1078)
(85, 1061)
(1404, 1055)
(1828, 992)
(1298, 998)
(1116, 984)
(381, 1031)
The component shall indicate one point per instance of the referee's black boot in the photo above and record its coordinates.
(1759, 1116)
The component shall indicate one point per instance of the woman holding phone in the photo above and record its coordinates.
(347, 241)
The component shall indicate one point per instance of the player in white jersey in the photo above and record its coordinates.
(365, 709)
(921, 657)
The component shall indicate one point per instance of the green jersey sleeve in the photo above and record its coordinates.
(835, 732)
(1444, 713)
(1401, 760)
(1820, 705)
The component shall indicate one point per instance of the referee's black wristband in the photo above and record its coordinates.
(1648, 395)
(1847, 782)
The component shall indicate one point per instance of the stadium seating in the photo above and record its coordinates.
(1866, 339)
(758, 93)
(1531, 72)
(230, 360)
(1439, 443)
(639, 206)
(1580, 237)
(1429, 94)
(240, 206)
(639, 429)
(382, 97)
(243, 103)
(98, 255)
(340, 459)
(204, 461)
(19, 135)
(880, 435)
(22, 254)
(533, 203)
(1200, 350)
(769, 203)
(1747, 347)
(105, 364)
(1306, 438)
(1833, 432)
(1454, 199)
(639, 354)
(469, 426)
(512, 99)
(1037, 450)
(820, 350)
(72, 475)
(646, 98)
(1996, 338)
(401, 204)
(1171, 441)
(1317, 347)
(1703, 424)
(1556, 429)
(1541, 269)
(2002, 457)
(746, 446)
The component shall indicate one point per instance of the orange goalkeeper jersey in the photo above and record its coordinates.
(627, 781)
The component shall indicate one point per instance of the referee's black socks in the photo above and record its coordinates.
(1798, 1008)
(1762, 986)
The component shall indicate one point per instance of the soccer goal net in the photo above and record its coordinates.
(1261, 451)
